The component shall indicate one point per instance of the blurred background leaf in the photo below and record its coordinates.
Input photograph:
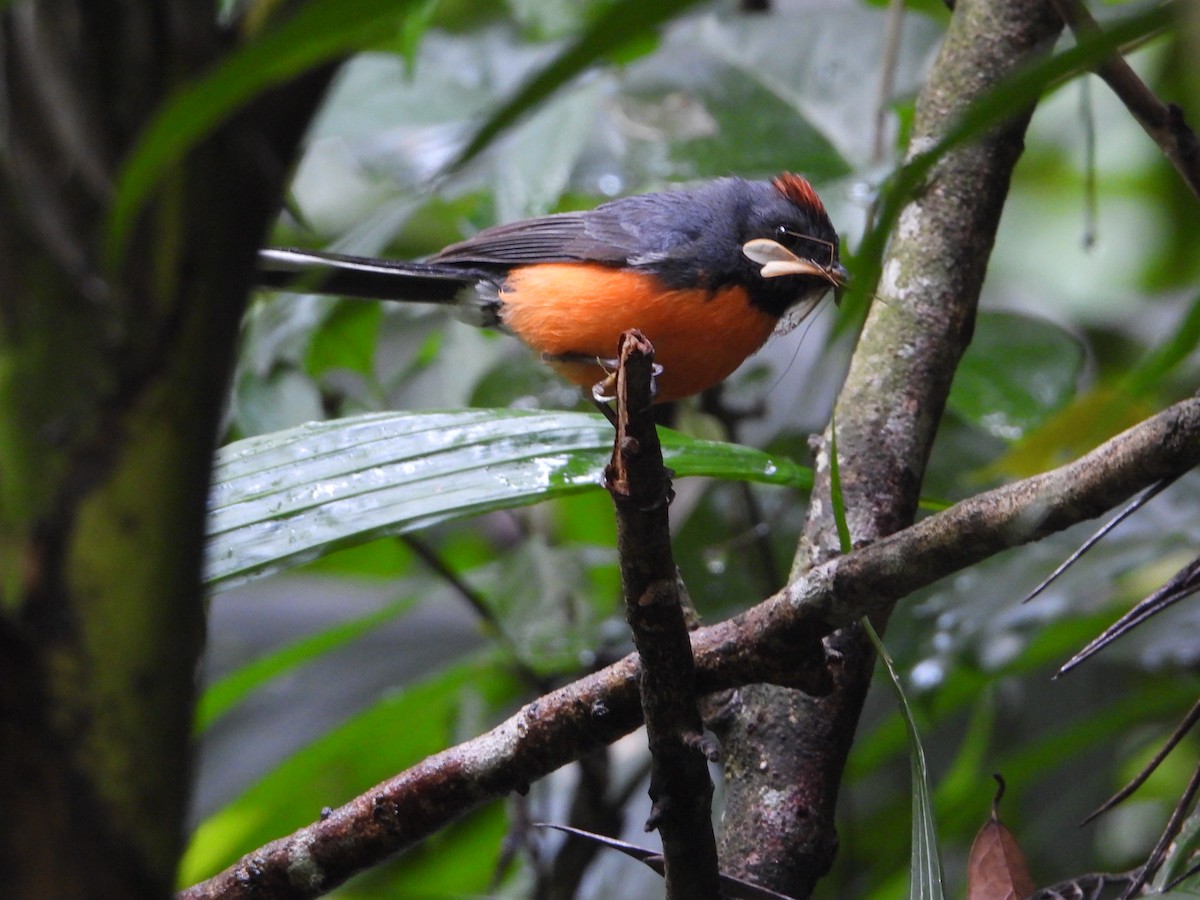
(316, 33)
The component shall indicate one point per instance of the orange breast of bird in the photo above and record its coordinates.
(579, 310)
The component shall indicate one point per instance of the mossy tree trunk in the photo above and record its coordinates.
(111, 387)
(786, 751)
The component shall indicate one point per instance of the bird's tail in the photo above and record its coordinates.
(316, 272)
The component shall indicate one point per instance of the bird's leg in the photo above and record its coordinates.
(603, 406)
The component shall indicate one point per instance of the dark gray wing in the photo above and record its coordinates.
(553, 238)
(635, 230)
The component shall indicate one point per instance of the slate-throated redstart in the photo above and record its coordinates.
(704, 273)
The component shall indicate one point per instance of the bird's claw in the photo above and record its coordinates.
(605, 390)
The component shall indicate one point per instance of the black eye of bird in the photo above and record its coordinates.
(806, 246)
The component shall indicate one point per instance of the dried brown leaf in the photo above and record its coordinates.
(996, 869)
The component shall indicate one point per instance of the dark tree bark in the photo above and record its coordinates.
(113, 376)
(785, 750)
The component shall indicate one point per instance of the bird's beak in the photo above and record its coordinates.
(777, 260)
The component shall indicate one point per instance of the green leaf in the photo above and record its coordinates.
(227, 692)
(318, 32)
(623, 23)
(347, 340)
(772, 136)
(1163, 360)
(399, 731)
(1179, 858)
(285, 498)
(925, 867)
(1016, 373)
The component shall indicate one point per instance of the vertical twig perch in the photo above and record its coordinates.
(680, 786)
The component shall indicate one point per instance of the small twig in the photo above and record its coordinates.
(893, 30)
(1087, 116)
(680, 786)
(1084, 887)
(1172, 742)
(1181, 877)
(1125, 512)
(1163, 122)
(1182, 584)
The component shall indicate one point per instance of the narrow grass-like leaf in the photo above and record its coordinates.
(285, 498)
(1018, 371)
(925, 868)
(837, 499)
(318, 32)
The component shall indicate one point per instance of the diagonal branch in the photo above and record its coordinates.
(1163, 122)
(761, 645)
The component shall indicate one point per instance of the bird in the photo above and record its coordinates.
(706, 273)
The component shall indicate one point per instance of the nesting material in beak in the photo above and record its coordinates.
(777, 260)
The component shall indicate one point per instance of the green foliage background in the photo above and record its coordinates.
(329, 678)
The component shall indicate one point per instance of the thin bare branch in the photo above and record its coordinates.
(1170, 832)
(892, 33)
